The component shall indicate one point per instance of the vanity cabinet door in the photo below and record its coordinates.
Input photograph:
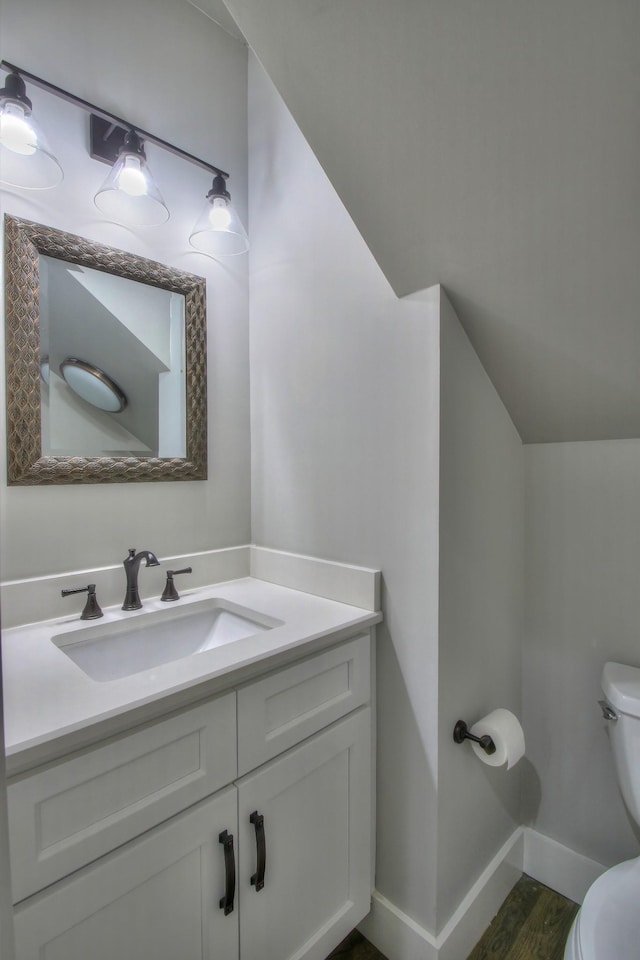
(158, 896)
(313, 845)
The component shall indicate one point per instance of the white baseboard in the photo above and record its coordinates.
(395, 934)
(559, 867)
(401, 938)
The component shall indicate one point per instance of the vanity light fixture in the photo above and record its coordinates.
(218, 231)
(25, 157)
(129, 194)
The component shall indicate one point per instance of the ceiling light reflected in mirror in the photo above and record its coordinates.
(93, 385)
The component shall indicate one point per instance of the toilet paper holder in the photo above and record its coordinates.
(461, 733)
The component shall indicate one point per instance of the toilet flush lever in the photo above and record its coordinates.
(607, 712)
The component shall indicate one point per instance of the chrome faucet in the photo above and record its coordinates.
(132, 599)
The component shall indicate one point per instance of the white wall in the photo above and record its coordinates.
(350, 412)
(460, 136)
(481, 609)
(161, 65)
(6, 918)
(344, 402)
(167, 67)
(582, 608)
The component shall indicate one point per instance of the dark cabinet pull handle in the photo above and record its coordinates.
(257, 880)
(226, 902)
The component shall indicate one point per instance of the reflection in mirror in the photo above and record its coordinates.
(106, 363)
(132, 336)
(90, 383)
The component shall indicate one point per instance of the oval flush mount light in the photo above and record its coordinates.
(93, 385)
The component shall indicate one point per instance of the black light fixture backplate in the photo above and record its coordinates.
(105, 139)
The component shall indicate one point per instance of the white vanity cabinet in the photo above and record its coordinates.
(125, 850)
(157, 897)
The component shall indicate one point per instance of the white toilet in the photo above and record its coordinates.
(607, 926)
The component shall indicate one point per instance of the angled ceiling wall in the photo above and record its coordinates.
(493, 147)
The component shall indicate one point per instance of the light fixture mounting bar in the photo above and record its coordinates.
(111, 117)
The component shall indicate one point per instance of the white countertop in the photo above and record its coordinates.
(51, 706)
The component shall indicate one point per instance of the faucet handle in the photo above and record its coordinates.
(92, 609)
(170, 592)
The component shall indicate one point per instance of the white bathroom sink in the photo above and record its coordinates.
(121, 648)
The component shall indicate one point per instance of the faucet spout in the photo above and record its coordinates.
(131, 568)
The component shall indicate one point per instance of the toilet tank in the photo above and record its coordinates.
(621, 687)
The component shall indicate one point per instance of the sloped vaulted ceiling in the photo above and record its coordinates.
(492, 146)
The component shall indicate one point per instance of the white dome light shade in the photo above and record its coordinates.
(93, 385)
(25, 158)
(129, 195)
(218, 231)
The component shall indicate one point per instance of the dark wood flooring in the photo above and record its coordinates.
(532, 924)
(355, 947)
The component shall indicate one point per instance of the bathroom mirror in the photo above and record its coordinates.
(106, 363)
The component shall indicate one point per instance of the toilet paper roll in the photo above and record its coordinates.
(504, 729)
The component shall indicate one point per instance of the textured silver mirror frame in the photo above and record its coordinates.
(24, 242)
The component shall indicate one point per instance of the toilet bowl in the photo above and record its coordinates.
(607, 926)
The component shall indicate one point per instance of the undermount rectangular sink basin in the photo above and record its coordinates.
(119, 649)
